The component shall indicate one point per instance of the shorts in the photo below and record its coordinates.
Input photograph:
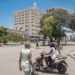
(49, 58)
(27, 73)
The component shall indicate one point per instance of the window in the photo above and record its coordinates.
(22, 22)
(16, 28)
(32, 33)
(25, 25)
(32, 25)
(25, 29)
(32, 29)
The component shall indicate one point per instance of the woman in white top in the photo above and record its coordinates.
(25, 60)
(54, 52)
(51, 56)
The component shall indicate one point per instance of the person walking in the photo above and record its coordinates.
(25, 60)
(37, 45)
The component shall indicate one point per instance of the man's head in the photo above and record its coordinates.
(27, 45)
(52, 45)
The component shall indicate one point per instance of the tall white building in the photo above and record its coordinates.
(28, 21)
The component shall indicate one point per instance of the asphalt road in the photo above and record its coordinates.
(9, 57)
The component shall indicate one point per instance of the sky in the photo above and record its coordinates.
(8, 7)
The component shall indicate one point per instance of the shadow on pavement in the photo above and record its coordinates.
(52, 72)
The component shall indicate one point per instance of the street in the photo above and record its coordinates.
(9, 60)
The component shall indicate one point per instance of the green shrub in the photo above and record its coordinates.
(1, 40)
(73, 39)
(16, 37)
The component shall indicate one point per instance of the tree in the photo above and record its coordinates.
(71, 24)
(60, 17)
(3, 34)
(6, 35)
(15, 37)
(58, 22)
(42, 19)
(3, 31)
(47, 29)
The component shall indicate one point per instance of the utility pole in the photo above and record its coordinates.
(74, 11)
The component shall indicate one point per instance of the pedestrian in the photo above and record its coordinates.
(25, 60)
(37, 45)
(58, 49)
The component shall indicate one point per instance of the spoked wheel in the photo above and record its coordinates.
(62, 68)
(36, 67)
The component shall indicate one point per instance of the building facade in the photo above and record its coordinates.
(28, 21)
(50, 10)
(73, 36)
